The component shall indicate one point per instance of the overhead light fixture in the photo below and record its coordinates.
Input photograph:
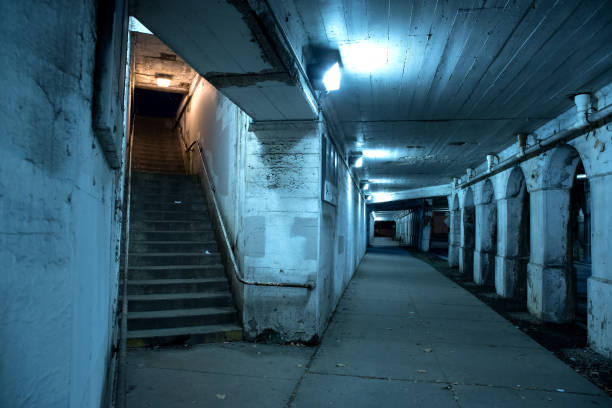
(163, 80)
(355, 159)
(380, 197)
(332, 77)
(323, 68)
(376, 153)
(581, 176)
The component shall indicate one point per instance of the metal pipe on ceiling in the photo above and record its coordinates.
(595, 120)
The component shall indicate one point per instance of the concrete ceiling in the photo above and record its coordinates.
(237, 48)
(430, 87)
(152, 59)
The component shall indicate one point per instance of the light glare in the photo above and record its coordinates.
(366, 186)
(376, 153)
(331, 79)
(380, 197)
(359, 162)
(364, 56)
(163, 82)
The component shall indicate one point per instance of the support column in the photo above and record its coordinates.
(484, 250)
(283, 231)
(548, 274)
(454, 239)
(600, 283)
(466, 251)
(509, 275)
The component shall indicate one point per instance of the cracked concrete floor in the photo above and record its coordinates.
(403, 336)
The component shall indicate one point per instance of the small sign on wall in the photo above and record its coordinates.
(329, 172)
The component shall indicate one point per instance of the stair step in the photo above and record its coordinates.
(167, 319)
(184, 335)
(187, 190)
(175, 201)
(176, 272)
(170, 225)
(193, 235)
(138, 303)
(154, 205)
(157, 170)
(162, 177)
(150, 286)
(137, 247)
(174, 258)
(168, 215)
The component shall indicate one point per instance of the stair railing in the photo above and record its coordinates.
(221, 231)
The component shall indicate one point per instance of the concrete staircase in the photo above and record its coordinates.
(178, 292)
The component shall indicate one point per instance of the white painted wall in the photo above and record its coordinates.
(59, 225)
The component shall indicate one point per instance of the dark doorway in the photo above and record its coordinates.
(580, 240)
(384, 229)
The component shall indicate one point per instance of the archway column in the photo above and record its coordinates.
(507, 262)
(510, 269)
(466, 250)
(600, 283)
(485, 243)
(454, 242)
(548, 274)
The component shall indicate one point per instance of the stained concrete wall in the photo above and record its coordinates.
(267, 183)
(281, 230)
(59, 221)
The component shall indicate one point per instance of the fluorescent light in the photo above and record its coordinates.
(380, 197)
(376, 153)
(163, 82)
(359, 162)
(331, 79)
(581, 176)
(364, 56)
(366, 186)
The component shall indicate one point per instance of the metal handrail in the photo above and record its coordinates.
(224, 237)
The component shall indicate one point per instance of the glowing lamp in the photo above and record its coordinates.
(331, 79)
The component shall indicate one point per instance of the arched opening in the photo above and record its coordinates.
(579, 230)
(468, 216)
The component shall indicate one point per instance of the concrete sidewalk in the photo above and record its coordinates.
(403, 336)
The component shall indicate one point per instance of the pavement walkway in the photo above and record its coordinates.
(403, 335)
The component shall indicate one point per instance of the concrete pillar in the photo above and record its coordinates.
(600, 283)
(282, 231)
(485, 243)
(508, 271)
(466, 252)
(549, 285)
(454, 238)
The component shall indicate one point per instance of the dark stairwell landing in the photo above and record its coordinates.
(178, 292)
